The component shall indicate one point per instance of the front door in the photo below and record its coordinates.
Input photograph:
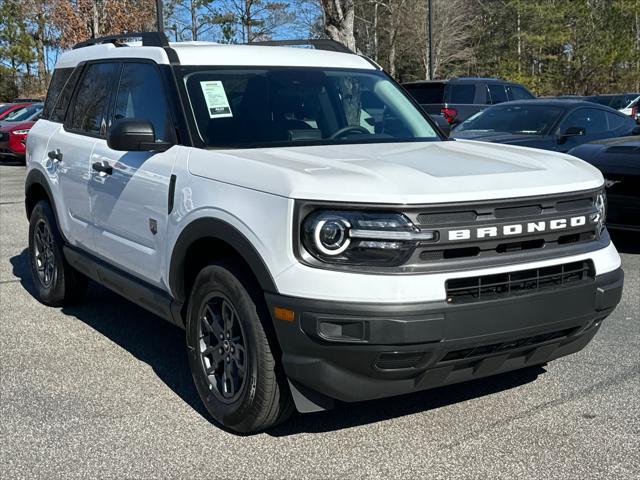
(129, 202)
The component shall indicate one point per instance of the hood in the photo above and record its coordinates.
(11, 126)
(393, 173)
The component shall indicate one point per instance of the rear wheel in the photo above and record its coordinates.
(56, 282)
(233, 366)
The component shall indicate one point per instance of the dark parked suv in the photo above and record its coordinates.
(460, 98)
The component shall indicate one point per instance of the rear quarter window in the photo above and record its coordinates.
(59, 107)
(58, 80)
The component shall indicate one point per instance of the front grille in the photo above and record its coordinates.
(487, 287)
(501, 245)
(505, 346)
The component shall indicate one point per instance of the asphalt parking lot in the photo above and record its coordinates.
(103, 390)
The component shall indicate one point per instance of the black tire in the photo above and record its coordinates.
(57, 284)
(245, 391)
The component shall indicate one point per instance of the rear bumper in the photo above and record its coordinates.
(356, 351)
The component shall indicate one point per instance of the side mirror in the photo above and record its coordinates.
(635, 131)
(574, 132)
(442, 123)
(134, 135)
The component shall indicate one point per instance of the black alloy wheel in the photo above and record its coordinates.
(44, 253)
(223, 350)
(56, 282)
(233, 352)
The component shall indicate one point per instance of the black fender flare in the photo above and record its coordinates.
(219, 230)
(36, 177)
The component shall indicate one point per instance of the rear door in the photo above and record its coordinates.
(129, 206)
(73, 144)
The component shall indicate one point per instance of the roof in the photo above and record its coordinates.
(460, 79)
(208, 53)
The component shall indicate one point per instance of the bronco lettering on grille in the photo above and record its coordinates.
(518, 228)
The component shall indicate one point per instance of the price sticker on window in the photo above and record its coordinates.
(216, 99)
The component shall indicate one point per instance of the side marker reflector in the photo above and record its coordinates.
(284, 314)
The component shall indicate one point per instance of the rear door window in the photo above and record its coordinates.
(427, 93)
(88, 110)
(461, 93)
(591, 119)
(497, 94)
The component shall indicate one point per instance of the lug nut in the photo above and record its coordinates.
(228, 359)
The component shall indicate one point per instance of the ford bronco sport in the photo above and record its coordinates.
(307, 224)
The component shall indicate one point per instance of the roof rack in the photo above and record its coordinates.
(318, 44)
(149, 39)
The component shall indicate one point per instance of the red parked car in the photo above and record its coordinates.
(14, 130)
(7, 108)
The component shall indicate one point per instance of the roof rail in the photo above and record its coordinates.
(318, 44)
(149, 39)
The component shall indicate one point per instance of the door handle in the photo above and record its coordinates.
(55, 155)
(102, 167)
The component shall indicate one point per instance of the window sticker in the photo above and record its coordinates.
(216, 99)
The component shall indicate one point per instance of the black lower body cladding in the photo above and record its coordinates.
(356, 351)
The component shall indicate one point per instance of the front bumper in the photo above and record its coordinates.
(359, 351)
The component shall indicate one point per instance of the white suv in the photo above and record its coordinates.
(307, 224)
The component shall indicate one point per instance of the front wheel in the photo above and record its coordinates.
(239, 381)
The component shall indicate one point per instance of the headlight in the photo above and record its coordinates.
(600, 216)
(21, 132)
(361, 238)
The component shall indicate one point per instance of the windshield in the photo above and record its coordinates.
(258, 107)
(515, 119)
(24, 113)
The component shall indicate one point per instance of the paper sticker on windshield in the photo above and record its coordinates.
(216, 99)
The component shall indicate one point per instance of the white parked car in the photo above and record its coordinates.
(308, 225)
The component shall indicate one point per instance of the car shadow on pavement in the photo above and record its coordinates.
(626, 242)
(162, 346)
(373, 411)
(148, 338)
